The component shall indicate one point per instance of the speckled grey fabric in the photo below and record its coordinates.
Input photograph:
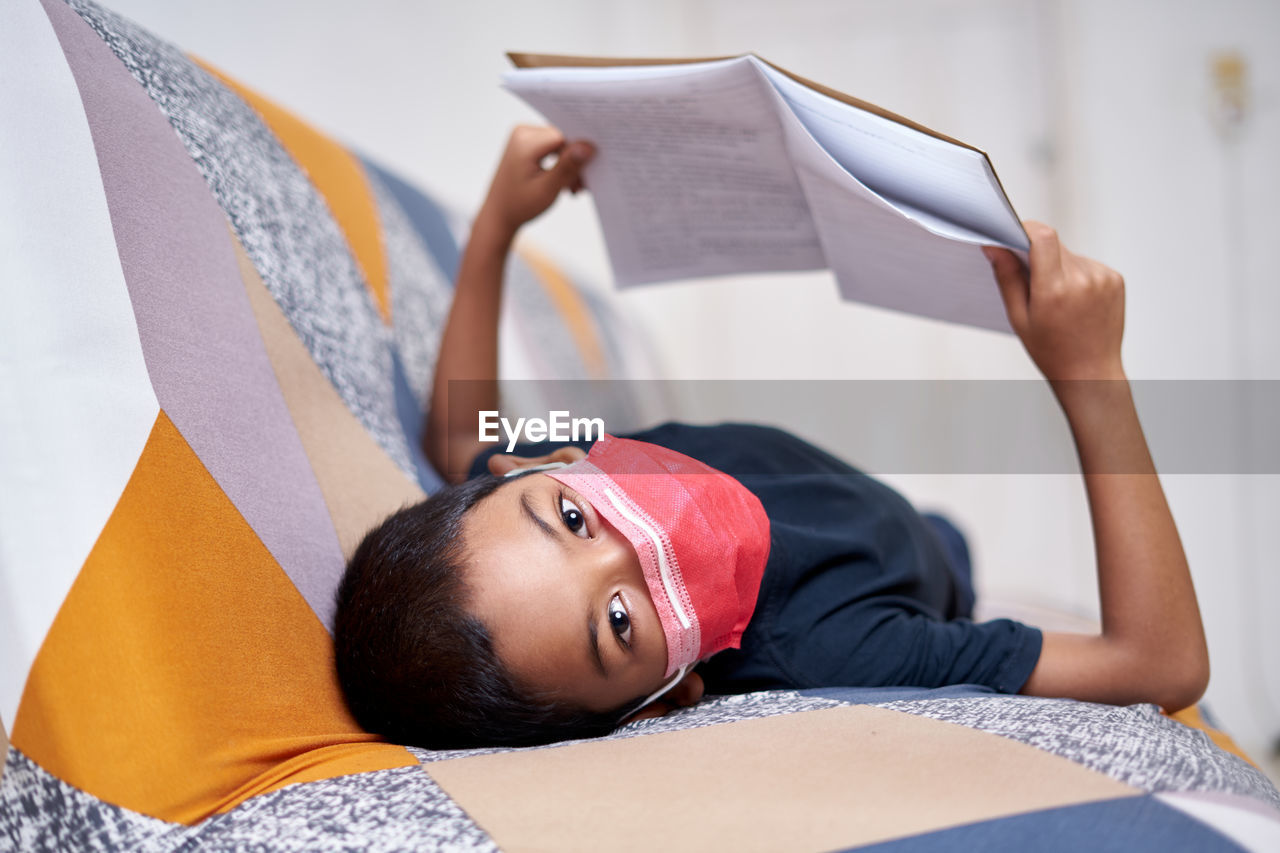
(285, 225)
(41, 812)
(420, 293)
(1135, 744)
(728, 709)
(722, 709)
(403, 809)
(400, 809)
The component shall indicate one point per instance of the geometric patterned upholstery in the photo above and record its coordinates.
(219, 343)
(218, 329)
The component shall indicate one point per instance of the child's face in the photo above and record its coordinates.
(563, 596)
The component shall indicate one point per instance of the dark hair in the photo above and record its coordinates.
(414, 665)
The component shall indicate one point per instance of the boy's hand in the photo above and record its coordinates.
(521, 188)
(1069, 312)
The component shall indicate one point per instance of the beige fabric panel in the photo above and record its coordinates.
(360, 483)
(816, 780)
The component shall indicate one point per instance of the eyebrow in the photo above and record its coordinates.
(527, 506)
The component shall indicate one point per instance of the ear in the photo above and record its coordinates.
(502, 463)
(688, 691)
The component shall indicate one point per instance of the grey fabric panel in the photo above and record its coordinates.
(400, 809)
(727, 709)
(285, 225)
(1135, 744)
(429, 220)
(420, 292)
(41, 812)
(403, 809)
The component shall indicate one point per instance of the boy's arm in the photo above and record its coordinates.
(1069, 314)
(521, 190)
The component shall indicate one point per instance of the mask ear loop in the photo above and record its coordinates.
(546, 466)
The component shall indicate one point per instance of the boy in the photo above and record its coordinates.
(561, 602)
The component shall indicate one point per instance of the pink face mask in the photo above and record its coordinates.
(702, 538)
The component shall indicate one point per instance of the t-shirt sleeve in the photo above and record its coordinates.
(898, 647)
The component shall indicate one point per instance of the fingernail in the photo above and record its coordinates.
(579, 152)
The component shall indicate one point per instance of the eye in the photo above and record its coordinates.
(619, 621)
(573, 518)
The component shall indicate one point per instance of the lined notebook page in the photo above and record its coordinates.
(692, 176)
(729, 166)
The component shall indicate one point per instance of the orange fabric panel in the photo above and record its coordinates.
(1193, 718)
(184, 672)
(338, 177)
(573, 310)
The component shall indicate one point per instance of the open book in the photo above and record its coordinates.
(724, 166)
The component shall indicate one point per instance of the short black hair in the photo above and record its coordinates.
(413, 663)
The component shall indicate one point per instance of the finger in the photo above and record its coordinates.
(1103, 278)
(539, 141)
(501, 463)
(1097, 270)
(504, 463)
(1011, 276)
(566, 171)
(1046, 256)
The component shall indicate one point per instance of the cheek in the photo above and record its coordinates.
(531, 600)
(531, 636)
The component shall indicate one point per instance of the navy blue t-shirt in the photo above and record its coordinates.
(858, 590)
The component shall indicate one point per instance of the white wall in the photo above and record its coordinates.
(1189, 214)
(1097, 114)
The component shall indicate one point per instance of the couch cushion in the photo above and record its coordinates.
(217, 365)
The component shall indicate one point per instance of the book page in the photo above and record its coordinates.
(890, 254)
(692, 176)
(919, 173)
(882, 257)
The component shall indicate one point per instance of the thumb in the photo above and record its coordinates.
(1012, 278)
(566, 171)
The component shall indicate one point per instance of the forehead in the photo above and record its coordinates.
(505, 549)
(534, 607)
